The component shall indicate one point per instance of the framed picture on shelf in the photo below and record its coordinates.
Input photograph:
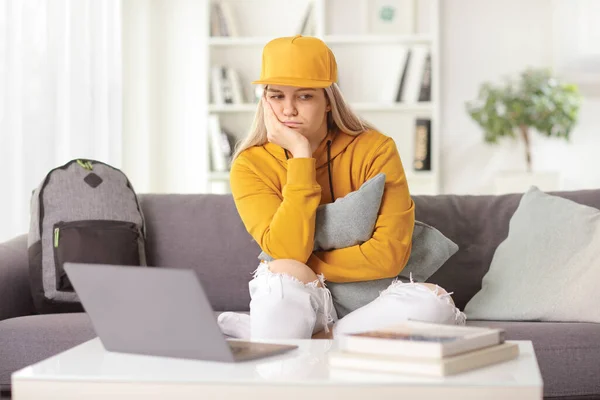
(390, 17)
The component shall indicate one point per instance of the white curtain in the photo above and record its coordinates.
(60, 94)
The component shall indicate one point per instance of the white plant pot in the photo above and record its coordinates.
(521, 181)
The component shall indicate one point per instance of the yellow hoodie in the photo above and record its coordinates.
(277, 199)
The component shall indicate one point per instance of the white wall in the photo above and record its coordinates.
(164, 85)
(484, 40)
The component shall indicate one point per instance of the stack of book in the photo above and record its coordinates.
(423, 348)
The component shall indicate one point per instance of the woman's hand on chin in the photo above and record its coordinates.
(284, 136)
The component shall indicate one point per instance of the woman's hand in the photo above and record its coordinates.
(284, 136)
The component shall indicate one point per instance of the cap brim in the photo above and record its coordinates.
(303, 83)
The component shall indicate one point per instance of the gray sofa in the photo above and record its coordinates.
(204, 232)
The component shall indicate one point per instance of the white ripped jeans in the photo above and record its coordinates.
(283, 307)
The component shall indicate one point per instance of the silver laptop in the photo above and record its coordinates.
(158, 312)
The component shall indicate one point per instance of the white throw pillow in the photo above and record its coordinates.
(548, 268)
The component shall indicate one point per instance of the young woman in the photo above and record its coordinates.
(307, 148)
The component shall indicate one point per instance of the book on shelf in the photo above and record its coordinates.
(433, 367)
(423, 340)
(223, 21)
(226, 86)
(221, 144)
(422, 155)
(215, 22)
(413, 83)
(216, 85)
(425, 90)
(307, 27)
(235, 82)
(414, 74)
(402, 81)
(398, 60)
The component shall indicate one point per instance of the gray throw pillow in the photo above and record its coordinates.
(430, 250)
(548, 267)
(349, 220)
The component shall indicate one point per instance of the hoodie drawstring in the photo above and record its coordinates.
(329, 170)
(287, 157)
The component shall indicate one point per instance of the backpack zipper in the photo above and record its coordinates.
(56, 236)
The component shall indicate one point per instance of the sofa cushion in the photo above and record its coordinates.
(549, 237)
(15, 298)
(27, 340)
(568, 354)
(477, 224)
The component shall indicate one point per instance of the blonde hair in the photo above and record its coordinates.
(341, 117)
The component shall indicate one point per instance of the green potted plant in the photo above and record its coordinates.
(536, 101)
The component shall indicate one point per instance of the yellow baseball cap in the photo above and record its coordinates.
(300, 61)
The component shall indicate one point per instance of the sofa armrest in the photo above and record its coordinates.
(15, 293)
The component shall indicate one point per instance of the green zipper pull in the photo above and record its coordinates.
(56, 235)
(89, 164)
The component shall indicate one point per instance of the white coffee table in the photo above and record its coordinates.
(88, 371)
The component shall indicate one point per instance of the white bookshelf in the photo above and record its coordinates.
(366, 68)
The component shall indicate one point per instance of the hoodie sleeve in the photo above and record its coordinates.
(283, 227)
(388, 250)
